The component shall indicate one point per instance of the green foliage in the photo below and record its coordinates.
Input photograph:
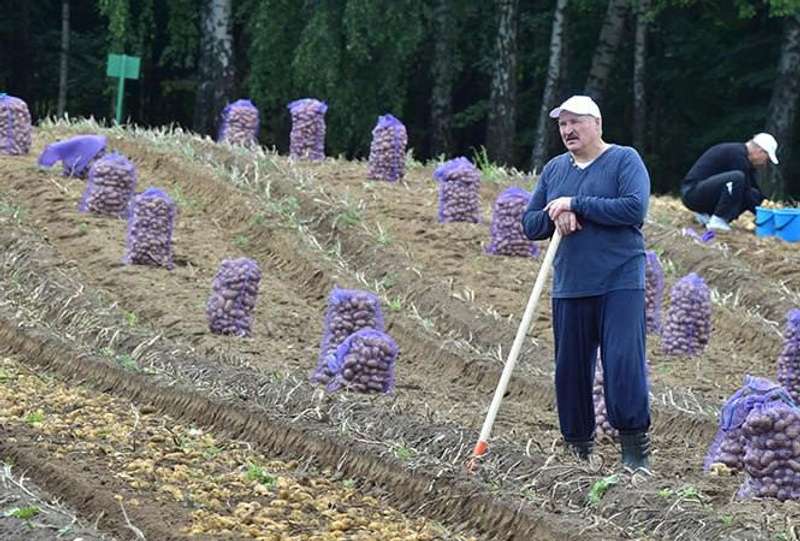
(260, 475)
(118, 13)
(23, 513)
(600, 487)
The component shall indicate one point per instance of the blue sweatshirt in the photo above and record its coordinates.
(610, 199)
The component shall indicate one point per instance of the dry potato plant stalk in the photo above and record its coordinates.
(507, 236)
(387, 152)
(239, 124)
(15, 126)
(151, 219)
(459, 191)
(112, 183)
(307, 138)
(233, 298)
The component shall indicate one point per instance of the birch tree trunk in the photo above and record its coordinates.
(215, 65)
(639, 72)
(503, 93)
(606, 50)
(783, 107)
(553, 69)
(63, 71)
(442, 71)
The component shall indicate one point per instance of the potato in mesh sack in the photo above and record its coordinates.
(728, 446)
(654, 292)
(507, 236)
(233, 298)
(387, 152)
(687, 327)
(307, 138)
(16, 132)
(348, 311)
(76, 154)
(151, 219)
(789, 359)
(364, 362)
(112, 183)
(239, 124)
(459, 191)
(772, 450)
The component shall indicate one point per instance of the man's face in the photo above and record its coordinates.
(758, 156)
(578, 131)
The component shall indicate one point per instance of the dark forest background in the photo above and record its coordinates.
(672, 76)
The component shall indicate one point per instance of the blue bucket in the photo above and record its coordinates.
(765, 222)
(787, 224)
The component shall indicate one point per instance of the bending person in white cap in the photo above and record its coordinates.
(596, 195)
(721, 184)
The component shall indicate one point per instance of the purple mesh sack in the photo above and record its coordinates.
(348, 311)
(233, 297)
(307, 138)
(387, 152)
(772, 450)
(507, 236)
(239, 124)
(688, 322)
(151, 218)
(16, 133)
(76, 154)
(459, 191)
(112, 182)
(654, 292)
(789, 359)
(728, 446)
(603, 428)
(364, 362)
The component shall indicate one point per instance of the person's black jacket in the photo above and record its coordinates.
(721, 158)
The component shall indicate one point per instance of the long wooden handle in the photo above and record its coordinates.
(522, 331)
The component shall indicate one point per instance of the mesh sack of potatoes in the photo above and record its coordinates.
(603, 428)
(789, 358)
(653, 292)
(76, 154)
(728, 445)
(687, 326)
(348, 311)
(772, 450)
(364, 362)
(459, 191)
(387, 152)
(233, 297)
(507, 236)
(151, 218)
(112, 183)
(307, 138)
(239, 124)
(16, 133)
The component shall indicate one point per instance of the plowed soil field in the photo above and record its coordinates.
(205, 433)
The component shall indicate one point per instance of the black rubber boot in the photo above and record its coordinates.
(581, 449)
(636, 450)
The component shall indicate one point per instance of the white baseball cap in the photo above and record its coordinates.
(580, 105)
(768, 144)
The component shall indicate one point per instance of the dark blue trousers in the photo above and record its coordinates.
(614, 322)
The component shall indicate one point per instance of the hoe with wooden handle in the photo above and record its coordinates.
(482, 446)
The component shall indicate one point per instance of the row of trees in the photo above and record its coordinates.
(672, 76)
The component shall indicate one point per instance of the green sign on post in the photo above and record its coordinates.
(123, 67)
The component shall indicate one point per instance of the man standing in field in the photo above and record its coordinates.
(596, 194)
(721, 184)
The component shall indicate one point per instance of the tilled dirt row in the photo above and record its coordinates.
(228, 212)
(175, 481)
